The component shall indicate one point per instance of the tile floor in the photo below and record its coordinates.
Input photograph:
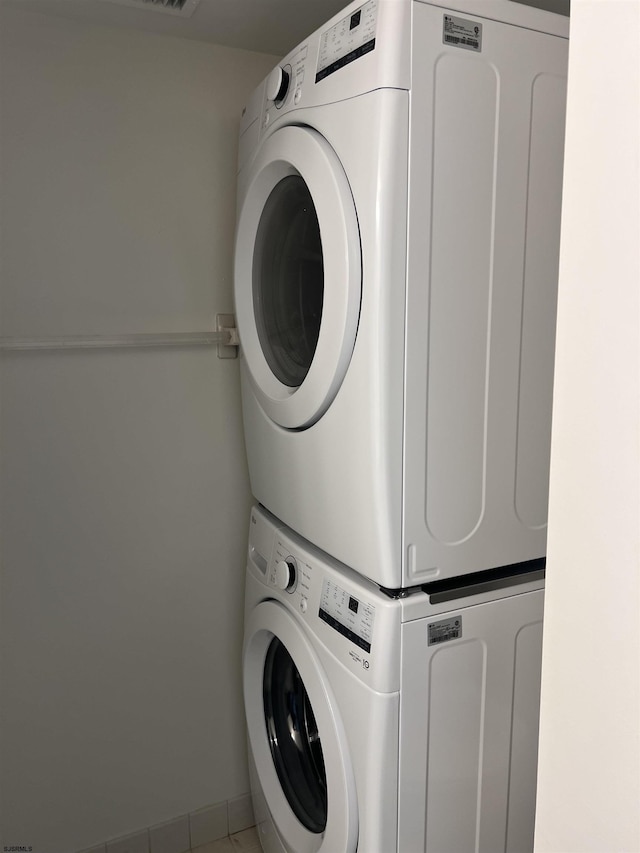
(242, 842)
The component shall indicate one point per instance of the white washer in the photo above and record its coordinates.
(378, 724)
(396, 266)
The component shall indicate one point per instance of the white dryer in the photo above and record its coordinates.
(378, 724)
(396, 266)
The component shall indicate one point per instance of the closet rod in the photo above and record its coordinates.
(226, 337)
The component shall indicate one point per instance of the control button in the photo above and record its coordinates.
(277, 84)
(297, 96)
(266, 120)
(285, 575)
(303, 605)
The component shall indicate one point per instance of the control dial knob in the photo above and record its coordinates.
(277, 84)
(284, 575)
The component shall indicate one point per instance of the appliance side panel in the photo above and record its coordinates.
(459, 280)
(540, 290)
(442, 721)
(457, 688)
(517, 14)
(468, 727)
(485, 188)
(524, 738)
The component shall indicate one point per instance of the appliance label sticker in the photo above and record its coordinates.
(445, 630)
(348, 40)
(461, 32)
(347, 615)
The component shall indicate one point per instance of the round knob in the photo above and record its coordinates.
(277, 84)
(284, 576)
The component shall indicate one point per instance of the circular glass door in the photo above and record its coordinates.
(288, 281)
(294, 739)
(297, 740)
(298, 276)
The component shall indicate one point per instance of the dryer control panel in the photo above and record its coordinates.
(352, 37)
(365, 47)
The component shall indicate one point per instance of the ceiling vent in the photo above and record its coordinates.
(181, 8)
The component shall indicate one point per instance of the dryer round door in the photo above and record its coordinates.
(297, 740)
(298, 276)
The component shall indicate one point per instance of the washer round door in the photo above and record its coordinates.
(297, 740)
(298, 276)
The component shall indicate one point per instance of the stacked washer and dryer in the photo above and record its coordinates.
(396, 265)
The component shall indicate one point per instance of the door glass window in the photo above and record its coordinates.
(288, 280)
(294, 739)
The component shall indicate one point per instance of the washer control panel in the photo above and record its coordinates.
(340, 613)
(316, 594)
(347, 615)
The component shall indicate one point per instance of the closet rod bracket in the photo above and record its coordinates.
(227, 323)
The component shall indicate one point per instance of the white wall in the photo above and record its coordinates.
(124, 489)
(589, 771)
